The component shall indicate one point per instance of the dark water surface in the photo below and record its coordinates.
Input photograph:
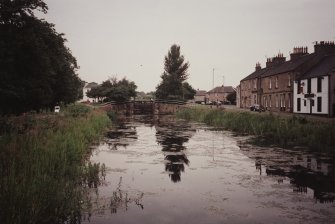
(162, 170)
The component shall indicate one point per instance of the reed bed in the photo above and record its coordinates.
(284, 132)
(43, 163)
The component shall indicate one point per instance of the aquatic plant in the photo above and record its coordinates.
(42, 164)
(112, 115)
(283, 131)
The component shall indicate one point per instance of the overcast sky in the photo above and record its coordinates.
(129, 38)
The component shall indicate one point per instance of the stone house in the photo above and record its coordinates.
(272, 86)
(238, 97)
(219, 94)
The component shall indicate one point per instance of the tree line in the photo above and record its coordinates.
(37, 70)
(172, 87)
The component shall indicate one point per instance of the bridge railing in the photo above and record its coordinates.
(179, 102)
(146, 101)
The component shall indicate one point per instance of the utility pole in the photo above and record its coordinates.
(213, 78)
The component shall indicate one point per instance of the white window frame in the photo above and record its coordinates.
(289, 81)
(276, 82)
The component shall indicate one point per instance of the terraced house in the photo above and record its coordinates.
(273, 86)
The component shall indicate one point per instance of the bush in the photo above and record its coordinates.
(77, 110)
(42, 169)
(285, 132)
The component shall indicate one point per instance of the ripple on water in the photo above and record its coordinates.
(190, 173)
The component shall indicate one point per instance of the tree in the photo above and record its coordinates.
(16, 11)
(188, 91)
(232, 97)
(114, 90)
(36, 68)
(175, 73)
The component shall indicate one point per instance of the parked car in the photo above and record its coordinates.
(257, 107)
(57, 109)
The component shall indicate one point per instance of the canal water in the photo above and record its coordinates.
(163, 170)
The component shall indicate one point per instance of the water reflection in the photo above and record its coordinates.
(121, 136)
(221, 190)
(172, 137)
(305, 171)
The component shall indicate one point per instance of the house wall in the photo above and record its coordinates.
(238, 96)
(199, 98)
(246, 93)
(332, 94)
(277, 92)
(306, 104)
(85, 98)
(215, 97)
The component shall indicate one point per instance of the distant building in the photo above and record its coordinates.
(200, 96)
(219, 94)
(273, 86)
(88, 87)
(238, 97)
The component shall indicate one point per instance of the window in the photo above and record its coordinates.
(289, 80)
(270, 83)
(289, 100)
(255, 83)
(255, 99)
(304, 103)
(277, 82)
(319, 87)
(319, 106)
(270, 103)
(277, 103)
(298, 104)
(309, 85)
(299, 87)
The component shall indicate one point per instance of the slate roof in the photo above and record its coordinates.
(326, 65)
(255, 74)
(222, 89)
(284, 67)
(91, 85)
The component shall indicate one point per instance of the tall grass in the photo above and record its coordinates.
(42, 163)
(285, 132)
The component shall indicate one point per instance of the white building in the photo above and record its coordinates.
(88, 87)
(313, 92)
(200, 96)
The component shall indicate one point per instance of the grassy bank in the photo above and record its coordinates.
(42, 164)
(285, 132)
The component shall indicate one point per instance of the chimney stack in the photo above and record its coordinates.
(258, 66)
(275, 60)
(298, 52)
(324, 47)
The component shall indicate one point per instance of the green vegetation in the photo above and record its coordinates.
(37, 70)
(285, 132)
(42, 167)
(173, 85)
(114, 90)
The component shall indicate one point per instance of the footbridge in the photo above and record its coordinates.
(155, 107)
